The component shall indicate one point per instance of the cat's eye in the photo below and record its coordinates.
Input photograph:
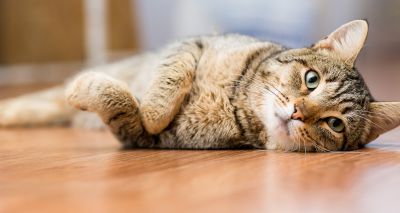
(311, 79)
(335, 124)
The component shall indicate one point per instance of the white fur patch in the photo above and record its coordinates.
(277, 119)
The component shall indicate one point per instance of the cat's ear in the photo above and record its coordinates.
(346, 41)
(384, 116)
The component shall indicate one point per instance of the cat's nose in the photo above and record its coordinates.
(297, 114)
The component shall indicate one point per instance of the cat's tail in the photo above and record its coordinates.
(46, 107)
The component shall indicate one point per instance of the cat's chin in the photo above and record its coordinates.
(280, 136)
(280, 127)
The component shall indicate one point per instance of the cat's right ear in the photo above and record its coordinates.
(346, 41)
(384, 116)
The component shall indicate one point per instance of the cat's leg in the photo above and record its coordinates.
(46, 107)
(111, 99)
(173, 81)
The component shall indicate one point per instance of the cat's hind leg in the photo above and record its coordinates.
(111, 99)
(42, 108)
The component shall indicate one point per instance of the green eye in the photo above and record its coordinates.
(312, 79)
(335, 124)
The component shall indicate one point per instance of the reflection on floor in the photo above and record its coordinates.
(70, 170)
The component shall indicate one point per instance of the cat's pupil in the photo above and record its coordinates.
(336, 122)
(312, 79)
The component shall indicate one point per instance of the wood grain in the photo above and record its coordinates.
(71, 170)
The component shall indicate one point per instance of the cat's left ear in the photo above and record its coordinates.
(346, 41)
(384, 116)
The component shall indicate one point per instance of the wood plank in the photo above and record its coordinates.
(71, 170)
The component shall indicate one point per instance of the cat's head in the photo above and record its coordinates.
(315, 98)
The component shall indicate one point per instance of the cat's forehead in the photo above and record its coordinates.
(313, 59)
(349, 96)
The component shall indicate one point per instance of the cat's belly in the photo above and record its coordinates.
(206, 120)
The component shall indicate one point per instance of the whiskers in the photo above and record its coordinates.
(300, 140)
(264, 86)
(318, 147)
(281, 97)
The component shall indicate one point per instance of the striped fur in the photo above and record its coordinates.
(233, 91)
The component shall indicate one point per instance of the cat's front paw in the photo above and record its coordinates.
(91, 91)
(82, 92)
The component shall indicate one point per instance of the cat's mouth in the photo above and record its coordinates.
(277, 119)
(283, 124)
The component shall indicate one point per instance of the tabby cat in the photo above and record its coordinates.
(224, 92)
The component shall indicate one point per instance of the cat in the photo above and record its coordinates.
(224, 92)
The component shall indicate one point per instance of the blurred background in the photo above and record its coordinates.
(43, 42)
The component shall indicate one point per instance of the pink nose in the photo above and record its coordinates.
(297, 115)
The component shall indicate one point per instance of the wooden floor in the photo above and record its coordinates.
(70, 170)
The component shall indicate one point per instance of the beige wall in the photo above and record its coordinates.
(42, 31)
